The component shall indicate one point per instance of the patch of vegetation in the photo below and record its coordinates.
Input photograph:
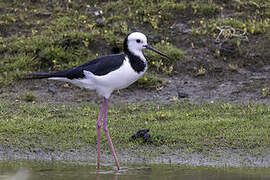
(181, 125)
(150, 81)
(162, 64)
(45, 36)
(265, 92)
(29, 97)
(200, 71)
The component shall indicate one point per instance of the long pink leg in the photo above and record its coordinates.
(107, 132)
(98, 133)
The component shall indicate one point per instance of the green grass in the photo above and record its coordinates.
(44, 36)
(37, 38)
(188, 126)
(149, 81)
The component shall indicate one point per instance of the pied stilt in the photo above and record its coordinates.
(106, 74)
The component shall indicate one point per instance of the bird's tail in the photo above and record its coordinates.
(43, 75)
(37, 75)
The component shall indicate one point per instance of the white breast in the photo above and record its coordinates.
(117, 79)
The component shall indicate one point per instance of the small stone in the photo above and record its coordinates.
(182, 28)
(52, 90)
(100, 22)
(182, 95)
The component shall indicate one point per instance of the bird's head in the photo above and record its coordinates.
(135, 42)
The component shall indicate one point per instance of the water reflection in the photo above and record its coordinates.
(100, 173)
(115, 176)
(21, 174)
(57, 171)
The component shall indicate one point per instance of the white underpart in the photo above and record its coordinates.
(106, 84)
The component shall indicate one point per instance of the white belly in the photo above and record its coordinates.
(106, 84)
(120, 78)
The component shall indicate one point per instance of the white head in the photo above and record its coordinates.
(136, 42)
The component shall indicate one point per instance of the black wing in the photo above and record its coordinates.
(100, 66)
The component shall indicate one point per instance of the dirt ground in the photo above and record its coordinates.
(236, 87)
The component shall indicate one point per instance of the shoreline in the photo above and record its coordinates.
(214, 158)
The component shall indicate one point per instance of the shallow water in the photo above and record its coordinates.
(29, 170)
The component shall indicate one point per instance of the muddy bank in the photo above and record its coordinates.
(143, 155)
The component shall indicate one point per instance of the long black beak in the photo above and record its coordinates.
(156, 51)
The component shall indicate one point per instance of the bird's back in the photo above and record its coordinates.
(99, 67)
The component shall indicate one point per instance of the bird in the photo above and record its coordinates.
(106, 74)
